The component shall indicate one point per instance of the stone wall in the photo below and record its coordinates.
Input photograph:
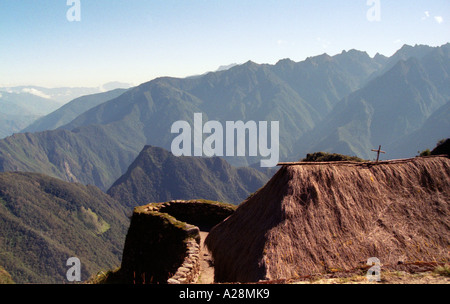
(163, 241)
(189, 270)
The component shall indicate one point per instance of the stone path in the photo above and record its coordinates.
(206, 268)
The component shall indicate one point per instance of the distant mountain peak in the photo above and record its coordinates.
(407, 51)
(285, 61)
(378, 55)
(250, 63)
(322, 56)
(315, 60)
(354, 51)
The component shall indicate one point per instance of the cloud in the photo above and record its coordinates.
(281, 42)
(439, 19)
(35, 92)
(398, 41)
(427, 15)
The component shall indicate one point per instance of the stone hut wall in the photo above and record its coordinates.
(163, 240)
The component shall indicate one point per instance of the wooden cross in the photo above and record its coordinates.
(378, 152)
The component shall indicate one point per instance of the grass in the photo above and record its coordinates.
(105, 277)
(92, 219)
(443, 270)
(5, 277)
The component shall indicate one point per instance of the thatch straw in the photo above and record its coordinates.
(318, 218)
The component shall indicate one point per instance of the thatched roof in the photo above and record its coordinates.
(310, 219)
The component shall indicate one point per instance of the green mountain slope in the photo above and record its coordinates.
(71, 110)
(158, 176)
(45, 221)
(89, 155)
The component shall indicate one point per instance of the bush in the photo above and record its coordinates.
(426, 152)
(326, 157)
(443, 270)
(442, 147)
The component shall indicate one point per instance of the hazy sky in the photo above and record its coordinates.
(137, 40)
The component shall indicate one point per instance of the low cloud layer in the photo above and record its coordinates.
(36, 92)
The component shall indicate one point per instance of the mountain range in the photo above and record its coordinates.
(21, 106)
(388, 109)
(349, 103)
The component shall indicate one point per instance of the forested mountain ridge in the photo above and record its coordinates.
(45, 221)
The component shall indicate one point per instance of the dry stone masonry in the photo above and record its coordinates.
(189, 271)
(163, 241)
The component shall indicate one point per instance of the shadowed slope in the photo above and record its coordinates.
(157, 175)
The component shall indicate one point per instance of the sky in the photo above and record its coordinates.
(47, 43)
